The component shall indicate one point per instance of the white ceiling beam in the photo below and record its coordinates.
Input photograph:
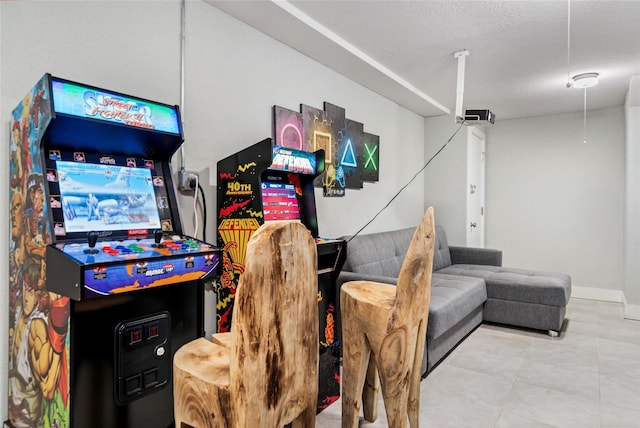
(355, 51)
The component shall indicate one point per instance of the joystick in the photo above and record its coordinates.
(92, 238)
(157, 236)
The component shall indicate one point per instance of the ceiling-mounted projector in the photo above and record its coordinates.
(478, 117)
(470, 117)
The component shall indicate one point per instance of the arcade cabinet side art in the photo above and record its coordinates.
(239, 215)
(38, 381)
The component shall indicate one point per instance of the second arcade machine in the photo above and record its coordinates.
(120, 288)
(265, 183)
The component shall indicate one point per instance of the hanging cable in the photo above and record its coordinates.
(568, 43)
(182, 25)
(408, 183)
(584, 123)
(204, 213)
(195, 200)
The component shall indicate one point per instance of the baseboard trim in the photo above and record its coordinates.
(632, 312)
(603, 294)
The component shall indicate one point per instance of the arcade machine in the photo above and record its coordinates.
(104, 286)
(265, 183)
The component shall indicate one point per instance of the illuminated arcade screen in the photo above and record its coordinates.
(279, 201)
(106, 197)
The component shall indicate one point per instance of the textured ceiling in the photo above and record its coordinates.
(517, 66)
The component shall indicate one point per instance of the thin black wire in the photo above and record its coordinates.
(408, 183)
(204, 214)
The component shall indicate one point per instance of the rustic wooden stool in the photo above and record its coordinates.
(264, 373)
(383, 332)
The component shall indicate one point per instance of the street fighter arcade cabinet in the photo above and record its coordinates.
(104, 286)
(265, 183)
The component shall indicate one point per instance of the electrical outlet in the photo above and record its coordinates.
(186, 180)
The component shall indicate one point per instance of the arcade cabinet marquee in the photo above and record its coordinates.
(104, 287)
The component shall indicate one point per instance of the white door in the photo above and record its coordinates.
(476, 154)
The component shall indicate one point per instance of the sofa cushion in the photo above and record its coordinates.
(452, 299)
(521, 285)
(441, 254)
(379, 254)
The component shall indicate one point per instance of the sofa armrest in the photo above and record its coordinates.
(475, 256)
(346, 276)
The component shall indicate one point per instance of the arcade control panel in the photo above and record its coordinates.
(82, 270)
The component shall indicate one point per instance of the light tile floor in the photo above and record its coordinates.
(503, 377)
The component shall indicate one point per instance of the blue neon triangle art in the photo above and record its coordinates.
(348, 156)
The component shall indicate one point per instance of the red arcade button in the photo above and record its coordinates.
(152, 331)
(135, 335)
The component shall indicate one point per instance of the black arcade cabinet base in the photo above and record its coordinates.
(123, 373)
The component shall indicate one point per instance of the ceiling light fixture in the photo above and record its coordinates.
(585, 80)
(580, 81)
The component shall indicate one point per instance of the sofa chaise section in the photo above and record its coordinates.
(520, 297)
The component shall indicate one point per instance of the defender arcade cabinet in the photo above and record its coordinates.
(104, 287)
(265, 183)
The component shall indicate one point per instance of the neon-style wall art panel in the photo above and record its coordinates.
(288, 129)
(352, 156)
(371, 157)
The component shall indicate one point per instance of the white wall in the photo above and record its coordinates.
(553, 203)
(233, 76)
(445, 179)
(557, 203)
(632, 201)
(236, 74)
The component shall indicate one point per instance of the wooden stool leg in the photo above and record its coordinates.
(413, 406)
(306, 419)
(395, 402)
(370, 391)
(395, 374)
(354, 366)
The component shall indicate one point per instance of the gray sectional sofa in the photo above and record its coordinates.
(468, 286)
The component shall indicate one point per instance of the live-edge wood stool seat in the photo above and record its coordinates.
(383, 332)
(264, 373)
